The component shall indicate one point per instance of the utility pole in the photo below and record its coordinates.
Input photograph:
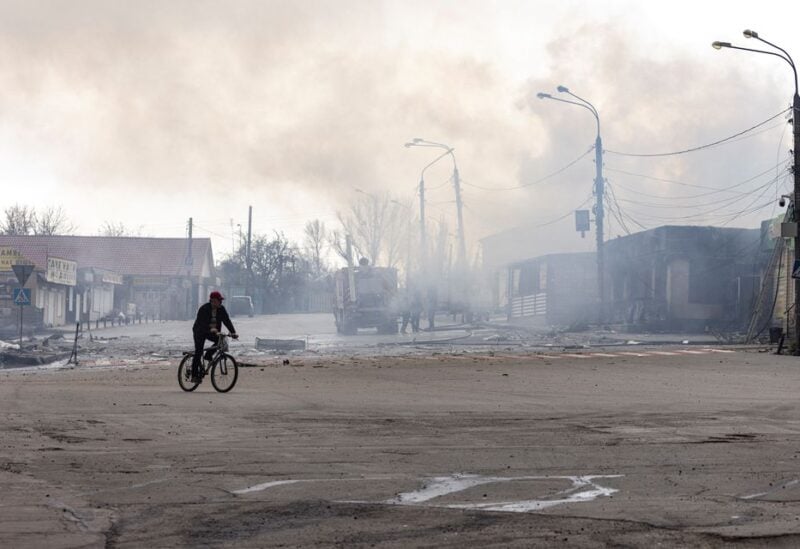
(248, 258)
(189, 261)
(233, 243)
(462, 245)
(599, 185)
(423, 240)
(796, 170)
(599, 214)
(717, 45)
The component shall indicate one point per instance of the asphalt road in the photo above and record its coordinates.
(689, 447)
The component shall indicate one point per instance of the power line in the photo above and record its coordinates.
(714, 190)
(675, 182)
(724, 201)
(569, 213)
(701, 147)
(619, 208)
(530, 183)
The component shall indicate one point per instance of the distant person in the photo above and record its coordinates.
(415, 308)
(210, 318)
(405, 311)
(431, 306)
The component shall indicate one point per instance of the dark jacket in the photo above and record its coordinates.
(202, 324)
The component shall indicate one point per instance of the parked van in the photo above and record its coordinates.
(240, 305)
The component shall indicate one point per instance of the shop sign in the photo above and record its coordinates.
(150, 281)
(111, 278)
(62, 271)
(11, 256)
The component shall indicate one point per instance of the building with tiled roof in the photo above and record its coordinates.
(84, 278)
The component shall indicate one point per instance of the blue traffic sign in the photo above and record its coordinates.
(22, 296)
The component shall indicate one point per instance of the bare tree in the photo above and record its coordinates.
(375, 226)
(51, 221)
(314, 242)
(19, 220)
(337, 240)
(117, 228)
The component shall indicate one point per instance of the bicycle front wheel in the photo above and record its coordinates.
(185, 374)
(224, 373)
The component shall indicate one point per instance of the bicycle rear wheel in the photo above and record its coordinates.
(185, 374)
(224, 373)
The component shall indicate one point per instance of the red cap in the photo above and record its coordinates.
(216, 295)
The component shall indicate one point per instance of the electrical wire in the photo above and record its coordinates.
(701, 147)
(675, 182)
(718, 204)
(619, 208)
(724, 201)
(566, 214)
(440, 185)
(613, 204)
(699, 195)
(537, 181)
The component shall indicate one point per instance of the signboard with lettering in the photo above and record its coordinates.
(151, 281)
(11, 256)
(62, 271)
(111, 278)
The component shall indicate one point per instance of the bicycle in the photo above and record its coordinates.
(222, 366)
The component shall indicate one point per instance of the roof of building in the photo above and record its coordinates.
(565, 257)
(139, 256)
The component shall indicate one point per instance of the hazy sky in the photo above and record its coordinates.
(151, 112)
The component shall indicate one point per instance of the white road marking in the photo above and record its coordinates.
(265, 485)
(583, 488)
(605, 355)
(573, 355)
(775, 489)
(663, 353)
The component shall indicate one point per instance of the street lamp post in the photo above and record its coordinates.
(462, 246)
(796, 165)
(599, 189)
(423, 244)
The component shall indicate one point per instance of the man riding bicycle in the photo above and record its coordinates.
(210, 318)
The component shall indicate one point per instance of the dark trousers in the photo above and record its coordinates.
(200, 339)
(406, 318)
(415, 321)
